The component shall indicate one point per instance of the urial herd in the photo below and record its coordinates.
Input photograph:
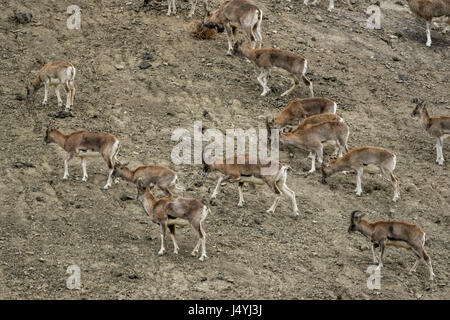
(316, 123)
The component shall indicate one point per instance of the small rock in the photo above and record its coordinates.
(41, 260)
(319, 18)
(61, 114)
(119, 66)
(411, 187)
(40, 199)
(133, 276)
(19, 97)
(125, 197)
(21, 164)
(117, 274)
(328, 78)
(148, 56)
(198, 183)
(24, 18)
(144, 65)
(236, 103)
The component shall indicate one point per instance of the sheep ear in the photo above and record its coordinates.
(359, 214)
(421, 103)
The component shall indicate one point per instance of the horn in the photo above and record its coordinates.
(140, 183)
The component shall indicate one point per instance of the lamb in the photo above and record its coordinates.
(59, 73)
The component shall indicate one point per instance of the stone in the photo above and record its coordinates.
(144, 65)
(24, 17)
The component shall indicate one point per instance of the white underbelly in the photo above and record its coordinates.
(85, 154)
(399, 244)
(54, 82)
(252, 180)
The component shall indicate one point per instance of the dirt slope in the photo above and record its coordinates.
(47, 225)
